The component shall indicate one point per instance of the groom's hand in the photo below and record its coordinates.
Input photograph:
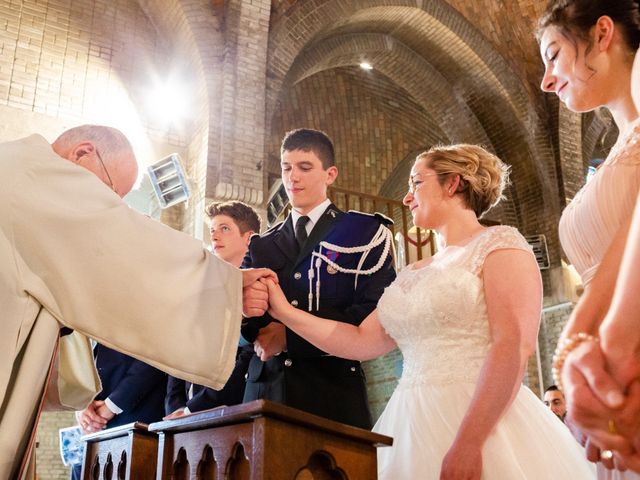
(271, 341)
(255, 295)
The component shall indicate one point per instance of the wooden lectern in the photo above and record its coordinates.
(262, 440)
(128, 452)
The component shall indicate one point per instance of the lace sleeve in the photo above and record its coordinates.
(497, 238)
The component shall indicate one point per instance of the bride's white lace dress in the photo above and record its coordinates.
(438, 317)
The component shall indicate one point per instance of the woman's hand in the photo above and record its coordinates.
(620, 343)
(462, 462)
(595, 400)
(278, 303)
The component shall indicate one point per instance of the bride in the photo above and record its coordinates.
(466, 321)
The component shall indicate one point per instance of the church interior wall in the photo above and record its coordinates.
(443, 71)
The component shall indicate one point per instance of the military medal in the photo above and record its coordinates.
(333, 256)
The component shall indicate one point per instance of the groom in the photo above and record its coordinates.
(285, 367)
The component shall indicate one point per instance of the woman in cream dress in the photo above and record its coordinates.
(588, 47)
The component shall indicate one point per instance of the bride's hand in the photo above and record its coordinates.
(278, 303)
(462, 462)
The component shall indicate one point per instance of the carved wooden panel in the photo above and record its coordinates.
(128, 452)
(264, 441)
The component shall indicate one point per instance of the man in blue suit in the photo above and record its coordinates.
(332, 263)
(231, 226)
(131, 391)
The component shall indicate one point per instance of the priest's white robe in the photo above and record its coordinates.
(73, 253)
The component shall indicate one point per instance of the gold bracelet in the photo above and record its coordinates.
(565, 347)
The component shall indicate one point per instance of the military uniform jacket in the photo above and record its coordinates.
(304, 376)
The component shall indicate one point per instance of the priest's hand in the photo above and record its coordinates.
(252, 275)
(255, 296)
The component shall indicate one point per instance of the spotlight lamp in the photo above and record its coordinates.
(169, 181)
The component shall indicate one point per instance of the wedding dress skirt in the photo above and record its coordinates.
(437, 315)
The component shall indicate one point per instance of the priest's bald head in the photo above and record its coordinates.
(104, 151)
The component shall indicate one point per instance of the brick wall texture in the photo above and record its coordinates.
(443, 71)
(49, 464)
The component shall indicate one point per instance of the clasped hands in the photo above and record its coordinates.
(602, 388)
(95, 417)
(261, 293)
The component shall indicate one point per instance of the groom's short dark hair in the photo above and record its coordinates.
(309, 140)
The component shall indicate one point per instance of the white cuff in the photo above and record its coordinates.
(113, 407)
(186, 411)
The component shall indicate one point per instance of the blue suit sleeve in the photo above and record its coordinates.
(232, 392)
(139, 380)
(176, 395)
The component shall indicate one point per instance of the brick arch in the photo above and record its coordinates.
(459, 48)
(482, 81)
(411, 72)
(225, 42)
(186, 26)
(396, 184)
(372, 121)
(492, 92)
(599, 133)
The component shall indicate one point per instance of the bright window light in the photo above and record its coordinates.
(167, 103)
(366, 66)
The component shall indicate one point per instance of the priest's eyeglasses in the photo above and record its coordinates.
(111, 185)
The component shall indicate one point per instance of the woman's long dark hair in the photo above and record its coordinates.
(575, 18)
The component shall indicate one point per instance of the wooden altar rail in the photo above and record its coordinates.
(260, 440)
(127, 452)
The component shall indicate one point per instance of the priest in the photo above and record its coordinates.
(74, 255)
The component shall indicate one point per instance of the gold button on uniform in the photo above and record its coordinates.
(297, 275)
(294, 303)
(288, 362)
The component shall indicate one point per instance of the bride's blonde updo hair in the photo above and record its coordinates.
(483, 176)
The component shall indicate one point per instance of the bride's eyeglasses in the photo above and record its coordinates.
(415, 184)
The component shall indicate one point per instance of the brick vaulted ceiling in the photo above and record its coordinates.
(443, 71)
(461, 71)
